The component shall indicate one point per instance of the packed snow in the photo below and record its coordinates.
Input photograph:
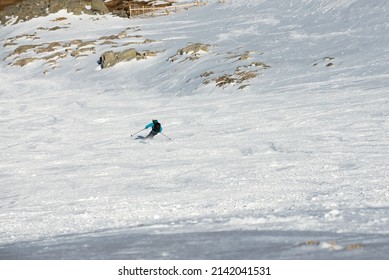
(290, 163)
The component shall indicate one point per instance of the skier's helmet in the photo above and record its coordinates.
(155, 121)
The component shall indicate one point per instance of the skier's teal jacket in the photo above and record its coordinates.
(152, 126)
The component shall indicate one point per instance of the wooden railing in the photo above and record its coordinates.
(165, 10)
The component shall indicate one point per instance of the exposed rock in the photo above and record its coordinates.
(53, 51)
(225, 79)
(55, 56)
(9, 44)
(60, 19)
(76, 7)
(246, 75)
(126, 55)
(148, 41)
(193, 48)
(29, 9)
(54, 28)
(110, 58)
(121, 35)
(23, 49)
(245, 56)
(108, 43)
(193, 51)
(240, 77)
(25, 10)
(148, 53)
(120, 13)
(99, 7)
(24, 61)
(56, 5)
(327, 60)
(206, 74)
(51, 29)
(81, 52)
(260, 65)
(51, 47)
(75, 42)
(84, 44)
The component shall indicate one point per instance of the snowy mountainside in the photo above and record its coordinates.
(280, 134)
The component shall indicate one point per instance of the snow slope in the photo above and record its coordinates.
(292, 166)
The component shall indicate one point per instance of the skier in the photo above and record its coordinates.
(156, 128)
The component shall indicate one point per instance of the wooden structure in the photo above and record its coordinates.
(161, 10)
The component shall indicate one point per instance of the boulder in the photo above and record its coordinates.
(99, 7)
(126, 55)
(76, 7)
(56, 5)
(110, 58)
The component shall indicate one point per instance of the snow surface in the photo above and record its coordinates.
(293, 166)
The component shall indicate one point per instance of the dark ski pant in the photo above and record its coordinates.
(151, 135)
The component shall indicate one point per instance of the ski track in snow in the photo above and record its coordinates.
(301, 154)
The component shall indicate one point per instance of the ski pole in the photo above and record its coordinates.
(138, 132)
(166, 136)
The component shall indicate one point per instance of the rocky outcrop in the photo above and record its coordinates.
(193, 48)
(99, 7)
(191, 52)
(24, 61)
(110, 58)
(24, 10)
(52, 53)
(29, 9)
(241, 76)
(76, 7)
